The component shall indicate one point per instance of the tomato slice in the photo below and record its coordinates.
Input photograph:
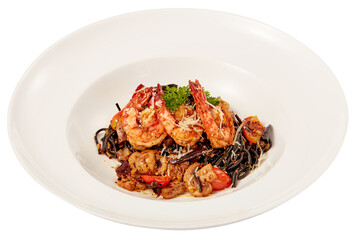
(222, 181)
(161, 180)
(253, 129)
(115, 120)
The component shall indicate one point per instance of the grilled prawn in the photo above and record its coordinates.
(217, 121)
(185, 132)
(142, 127)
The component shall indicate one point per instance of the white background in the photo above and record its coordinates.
(328, 209)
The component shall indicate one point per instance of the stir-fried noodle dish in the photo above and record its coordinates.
(175, 140)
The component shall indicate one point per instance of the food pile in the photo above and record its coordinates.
(175, 140)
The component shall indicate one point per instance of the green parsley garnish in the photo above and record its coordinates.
(213, 100)
(176, 96)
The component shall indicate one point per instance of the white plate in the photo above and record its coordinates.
(70, 91)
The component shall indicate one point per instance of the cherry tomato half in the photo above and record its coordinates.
(253, 129)
(115, 120)
(161, 180)
(222, 181)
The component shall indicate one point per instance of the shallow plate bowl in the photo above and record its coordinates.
(70, 90)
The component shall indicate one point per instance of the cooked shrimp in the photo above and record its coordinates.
(186, 131)
(123, 154)
(142, 127)
(142, 162)
(217, 121)
(200, 187)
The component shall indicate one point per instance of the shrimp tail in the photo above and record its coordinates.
(198, 94)
(141, 96)
(159, 89)
(139, 87)
(159, 101)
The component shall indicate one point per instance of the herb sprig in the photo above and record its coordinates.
(176, 96)
(213, 100)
